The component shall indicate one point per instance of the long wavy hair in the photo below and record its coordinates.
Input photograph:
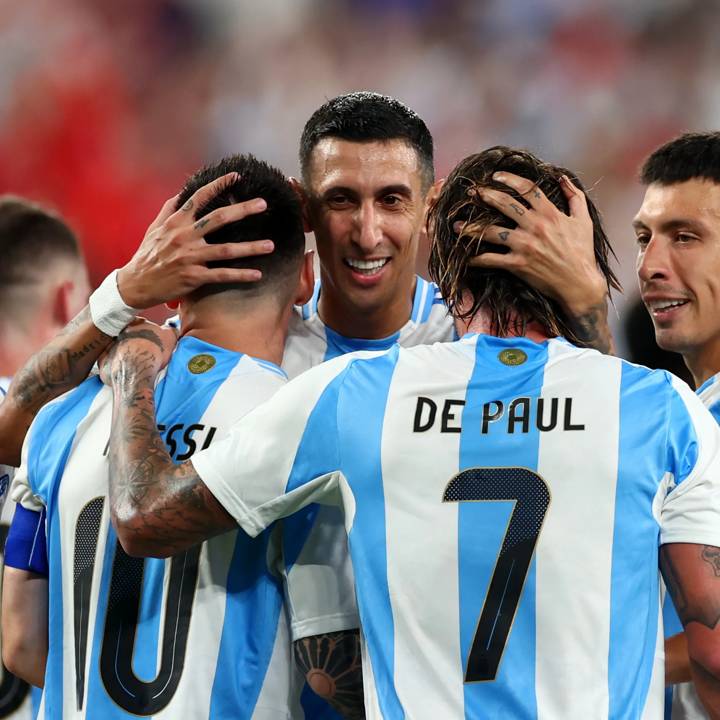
(511, 302)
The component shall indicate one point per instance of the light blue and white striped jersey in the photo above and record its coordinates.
(200, 635)
(16, 701)
(319, 583)
(683, 702)
(505, 501)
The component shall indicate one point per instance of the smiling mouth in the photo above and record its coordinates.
(366, 267)
(662, 307)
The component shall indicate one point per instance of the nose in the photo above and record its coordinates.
(653, 262)
(368, 227)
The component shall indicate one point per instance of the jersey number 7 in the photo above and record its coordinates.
(532, 498)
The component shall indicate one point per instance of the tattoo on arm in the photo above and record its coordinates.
(592, 329)
(332, 667)
(155, 502)
(691, 605)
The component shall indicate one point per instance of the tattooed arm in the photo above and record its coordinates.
(157, 507)
(553, 252)
(332, 667)
(692, 575)
(63, 363)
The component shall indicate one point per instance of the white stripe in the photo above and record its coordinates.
(423, 297)
(574, 551)
(424, 591)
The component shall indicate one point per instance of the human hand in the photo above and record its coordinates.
(142, 345)
(551, 251)
(172, 258)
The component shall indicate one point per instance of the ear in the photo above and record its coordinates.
(433, 193)
(62, 303)
(302, 195)
(306, 283)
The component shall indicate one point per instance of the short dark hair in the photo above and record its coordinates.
(281, 222)
(367, 117)
(687, 157)
(31, 239)
(511, 301)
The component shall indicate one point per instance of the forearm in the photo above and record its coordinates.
(589, 321)
(158, 508)
(677, 660)
(331, 664)
(24, 624)
(707, 685)
(61, 365)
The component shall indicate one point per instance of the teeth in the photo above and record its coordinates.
(661, 305)
(366, 266)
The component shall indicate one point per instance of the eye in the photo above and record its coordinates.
(392, 200)
(338, 200)
(683, 237)
(642, 239)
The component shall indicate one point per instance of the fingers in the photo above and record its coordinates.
(208, 276)
(207, 192)
(527, 188)
(228, 214)
(492, 233)
(166, 211)
(509, 206)
(576, 198)
(233, 251)
(497, 261)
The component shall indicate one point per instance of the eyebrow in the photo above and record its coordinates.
(670, 225)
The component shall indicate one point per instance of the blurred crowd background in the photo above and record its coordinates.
(106, 106)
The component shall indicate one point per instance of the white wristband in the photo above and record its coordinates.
(108, 311)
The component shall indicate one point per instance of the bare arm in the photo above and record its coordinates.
(63, 363)
(157, 507)
(25, 624)
(692, 575)
(553, 252)
(677, 660)
(331, 664)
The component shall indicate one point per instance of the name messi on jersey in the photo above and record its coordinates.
(519, 415)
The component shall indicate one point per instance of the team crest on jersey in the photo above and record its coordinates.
(201, 364)
(512, 356)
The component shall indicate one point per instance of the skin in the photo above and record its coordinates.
(365, 201)
(678, 236)
(552, 252)
(24, 624)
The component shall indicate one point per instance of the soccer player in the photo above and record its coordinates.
(201, 634)
(43, 284)
(507, 497)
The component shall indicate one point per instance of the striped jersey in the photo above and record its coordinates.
(683, 702)
(319, 582)
(16, 702)
(199, 635)
(505, 501)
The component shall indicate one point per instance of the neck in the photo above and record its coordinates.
(257, 327)
(17, 344)
(369, 324)
(481, 323)
(704, 362)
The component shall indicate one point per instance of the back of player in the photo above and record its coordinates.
(141, 637)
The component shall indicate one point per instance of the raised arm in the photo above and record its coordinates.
(692, 575)
(553, 252)
(170, 262)
(158, 508)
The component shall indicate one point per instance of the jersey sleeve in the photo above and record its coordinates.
(23, 492)
(691, 509)
(281, 456)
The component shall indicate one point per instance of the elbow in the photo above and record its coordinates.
(22, 661)
(137, 538)
(707, 657)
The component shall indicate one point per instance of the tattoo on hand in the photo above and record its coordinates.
(332, 665)
(519, 210)
(504, 235)
(188, 206)
(200, 224)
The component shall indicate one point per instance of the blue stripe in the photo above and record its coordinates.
(418, 306)
(252, 612)
(182, 398)
(272, 367)
(642, 462)
(50, 441)
(361, 413)
(429, 302)
(484, 524)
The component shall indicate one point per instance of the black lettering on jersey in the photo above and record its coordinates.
(568, 425)
(492, 412)
(519, 412)
(425, 412)
(448, 416)
(543, 426)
